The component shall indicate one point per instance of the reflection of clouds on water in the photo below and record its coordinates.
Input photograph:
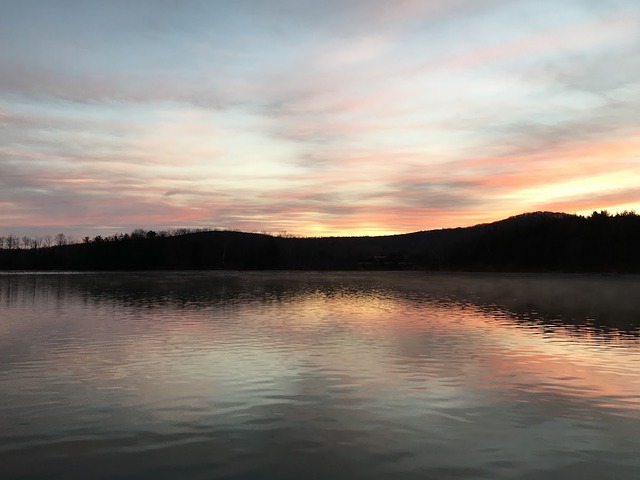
(564, 300)
(356, 319)
(377, 373)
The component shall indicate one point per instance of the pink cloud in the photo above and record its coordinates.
(596, 201)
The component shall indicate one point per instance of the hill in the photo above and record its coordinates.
(531, 242)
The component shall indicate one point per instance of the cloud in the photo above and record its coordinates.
(314, 116)
(600, 201)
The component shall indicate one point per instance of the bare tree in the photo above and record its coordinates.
(47, 240)
(138, 233)
(61, 239)
(12, 241)
(2, 242)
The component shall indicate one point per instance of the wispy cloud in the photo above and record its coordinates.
(315, 117)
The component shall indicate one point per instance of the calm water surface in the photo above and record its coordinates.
(310, 375)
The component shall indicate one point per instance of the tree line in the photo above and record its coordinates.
(532, 242)
(14, 242)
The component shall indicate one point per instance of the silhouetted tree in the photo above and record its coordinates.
(539, 241)
(61, 239)
(12, 242)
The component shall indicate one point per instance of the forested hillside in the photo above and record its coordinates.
(532, 242)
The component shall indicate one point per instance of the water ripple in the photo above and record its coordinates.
(278, 375)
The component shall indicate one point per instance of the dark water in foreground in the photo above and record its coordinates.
(305, 375)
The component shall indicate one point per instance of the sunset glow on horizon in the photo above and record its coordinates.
(314, 118)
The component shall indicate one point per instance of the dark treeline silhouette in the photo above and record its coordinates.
(531, 242)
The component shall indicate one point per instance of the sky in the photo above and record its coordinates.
(314, 118)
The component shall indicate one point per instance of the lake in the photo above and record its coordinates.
(283, 375)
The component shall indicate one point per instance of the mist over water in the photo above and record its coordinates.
(314, 375)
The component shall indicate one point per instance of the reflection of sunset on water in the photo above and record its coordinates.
(409, 371)
(361, 328)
